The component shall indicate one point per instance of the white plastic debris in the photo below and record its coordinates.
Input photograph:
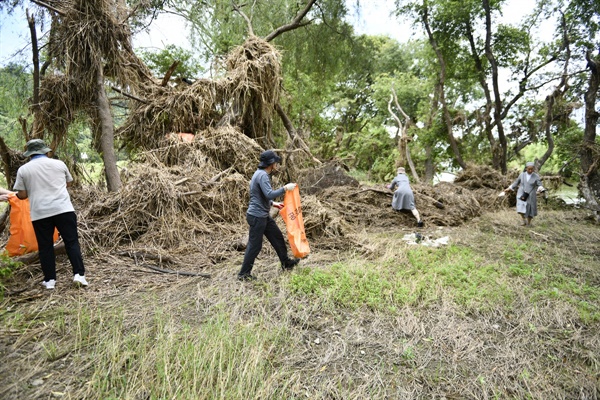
(417, 238)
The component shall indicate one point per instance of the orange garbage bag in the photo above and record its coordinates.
(294, 223)
(22, 236)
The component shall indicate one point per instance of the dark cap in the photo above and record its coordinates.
(267, 158)
(36, 146)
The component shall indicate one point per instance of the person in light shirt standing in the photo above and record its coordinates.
(529, 184)
(44, 181)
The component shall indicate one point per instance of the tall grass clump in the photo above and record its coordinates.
(162, 358)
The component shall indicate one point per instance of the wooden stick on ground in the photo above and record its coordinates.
(170, 271)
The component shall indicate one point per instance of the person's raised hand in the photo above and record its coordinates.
(289, 186)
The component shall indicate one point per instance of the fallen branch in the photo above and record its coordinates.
(218, 176)
(146, 255)
(169, 73)
(296, 139)
(170, 271)
(211, 181)
(387, 192)
(30, 258)
(129, 95)
(49, 7)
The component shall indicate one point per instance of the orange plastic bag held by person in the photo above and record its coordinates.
(22, 236)
(294, 223)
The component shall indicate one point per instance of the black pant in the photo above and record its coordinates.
(259, 227)
(66, 224)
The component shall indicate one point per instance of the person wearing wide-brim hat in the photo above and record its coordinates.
(258, 218)
(529, 184)
(404, 198)
(44, 181)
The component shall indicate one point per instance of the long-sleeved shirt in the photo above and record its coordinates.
(262, 194)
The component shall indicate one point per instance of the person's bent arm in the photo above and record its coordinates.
(22, 194)
(265, 187)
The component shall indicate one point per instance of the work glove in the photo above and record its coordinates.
(289, 186)
(277, 205)
(541, 189)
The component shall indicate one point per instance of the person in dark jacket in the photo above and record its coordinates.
(259, 220)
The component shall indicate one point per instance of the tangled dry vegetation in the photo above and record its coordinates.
(189, 198)
(245, 96)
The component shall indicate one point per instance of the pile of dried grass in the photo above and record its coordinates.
(315, 180)
(459, 204)
(229, 147)
(175, 208)
(370, 206)
(483, 176)
(322, 221)
(244, 96)
(485, 183)
(87, 40)
(61, 98)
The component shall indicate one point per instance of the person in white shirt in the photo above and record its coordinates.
(44, 181)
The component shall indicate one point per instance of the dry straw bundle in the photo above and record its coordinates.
(173, 208)
(88, 41)
(244, 96)
(485, 183)
(61, 97)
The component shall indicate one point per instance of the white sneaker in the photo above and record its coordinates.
(79, 280)
(50, 284)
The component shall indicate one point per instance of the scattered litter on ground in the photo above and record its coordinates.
(424, 240)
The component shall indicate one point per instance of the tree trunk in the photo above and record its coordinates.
(107, 135)
(411, 164)
(589, 185)
(37, 129)
(441, 89)
(429, 167)
(496, 154)
(497, 97)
